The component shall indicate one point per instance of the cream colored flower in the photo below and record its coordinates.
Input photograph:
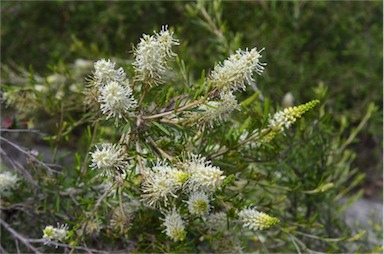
(256, 220)
(214, 112)
(160, 183)
(284, 119)
(116, 100)
(152, 54)
(105, 72)
(8, 181)
(110, 158)
(198, 203)
(237, 71)
(58, 233)
(174, 226)
(203, 176)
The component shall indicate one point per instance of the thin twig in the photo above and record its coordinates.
(21, 130)
(138, 157)
(175, 122)
(95, 208)
(89, 250)
(121, 202)
(18, 166)
(2, 250)
(18, 236)
(23, 150)
(172, 101)
(190, 105)
(162, 152)
(214, 28)
(17, 246)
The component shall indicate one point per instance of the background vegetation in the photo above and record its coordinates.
(326, 50)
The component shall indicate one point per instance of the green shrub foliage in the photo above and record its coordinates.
(171, 156)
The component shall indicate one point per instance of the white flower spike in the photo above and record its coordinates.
(152, 54)
(203, 176)
(116, 100)
(8, 181)
(256, 220)
(105, 72)
(198, 203)
(174, 226)
(110, 158)
(237, 71)
(215, 112)
(58, 233)
(161, 183)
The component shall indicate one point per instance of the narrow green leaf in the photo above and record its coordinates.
(266, 111)
(58, 203)
(202, 77)
(246, 124)
(177, 104)
(162, 128)
(357, 237)
(250, 100)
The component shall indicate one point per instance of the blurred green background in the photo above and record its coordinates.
(337, 45)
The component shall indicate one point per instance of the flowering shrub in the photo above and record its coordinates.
(176, 167)
(181, 185)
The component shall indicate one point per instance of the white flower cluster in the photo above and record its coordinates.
(105, 72)
(237, 71)
(110, 159)
(198, 176)
(160, 183)
(174, 226)
(198, 203)
(116, 100)
(256, 220)
(152, 54)
(93, 227)
(217, 111)
(8, 181)
(282, 120)
(122, 217)
(232, 75)
(203, 176)
(113, 91)
(58, 233)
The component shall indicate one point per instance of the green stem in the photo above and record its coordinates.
(371, 109)
(85, 162)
